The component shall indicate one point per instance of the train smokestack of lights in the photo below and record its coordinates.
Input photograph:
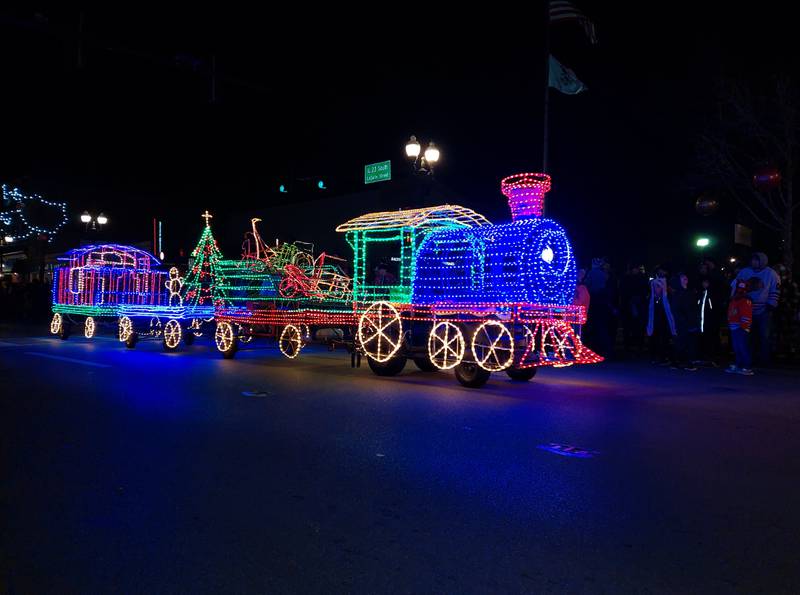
(525, 194)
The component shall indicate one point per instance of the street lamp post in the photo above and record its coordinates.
(4, 240)
(87, 218)
(422, 163)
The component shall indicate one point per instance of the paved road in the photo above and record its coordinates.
(140, 471)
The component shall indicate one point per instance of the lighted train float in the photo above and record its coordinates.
(125, 287)
(441, 286)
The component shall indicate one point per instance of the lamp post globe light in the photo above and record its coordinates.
(422, 162)
(87, 218)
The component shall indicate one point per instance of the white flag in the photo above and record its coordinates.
(563, 79)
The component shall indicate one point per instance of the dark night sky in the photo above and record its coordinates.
(134, 134)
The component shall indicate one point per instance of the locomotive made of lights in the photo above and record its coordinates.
(439, 285)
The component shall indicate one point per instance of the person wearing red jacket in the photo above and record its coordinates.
(740, 317)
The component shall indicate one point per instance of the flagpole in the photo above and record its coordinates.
(546, 126)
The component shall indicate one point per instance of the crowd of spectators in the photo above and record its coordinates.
(689, 318)
(24, 301)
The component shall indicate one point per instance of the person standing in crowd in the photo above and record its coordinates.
(597, 326)
(740, 312)
(764, 290)
(660, 323)
(582, 297)
(633, 305)
(711, 299)
(787, 316)
(684, 312)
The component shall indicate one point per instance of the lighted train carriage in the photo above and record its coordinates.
(96, 281)
(446, 288)
(284, 292)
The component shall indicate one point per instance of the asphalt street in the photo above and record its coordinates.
(141, 471)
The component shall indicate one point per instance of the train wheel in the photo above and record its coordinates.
(243, 335)
(391, 367)
(291, 341)
(380, 332)
(493, 346)
(125, 328)
(560, 345)
(196, 327)
(89, 327)
(471, 375)
(56, 324)
(172, 335)
(225, 339)
(445, 345)
(521, 374)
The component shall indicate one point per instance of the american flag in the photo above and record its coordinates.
(561, 10)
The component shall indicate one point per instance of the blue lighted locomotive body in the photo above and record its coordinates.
(526, 261)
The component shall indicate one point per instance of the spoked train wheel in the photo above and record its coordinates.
(445, 345)
(380, 331)
(56, 324)
(196, 327)
(225, 339)
(126, 333)
(493, 346)
(291, 341)
(125, 328)
(89, 327)
(172, 335)
(243, 334)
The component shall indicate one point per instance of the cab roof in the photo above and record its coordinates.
(425, 217)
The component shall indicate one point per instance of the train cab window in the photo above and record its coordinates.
(383, 263)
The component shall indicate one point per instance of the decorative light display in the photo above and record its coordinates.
(525, 194)
(89, 327)
(528, 260)
(172, 334)
(97, 280)
(291, 341)
(56, 324)
(174, 285)
(380, 331)
(401, 232)
(17, 221)
(445, 345)
(205, 278)
(493, 346)
(505, 290)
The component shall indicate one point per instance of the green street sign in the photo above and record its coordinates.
(378, 172)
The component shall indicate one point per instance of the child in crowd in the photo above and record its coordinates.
(740, 317)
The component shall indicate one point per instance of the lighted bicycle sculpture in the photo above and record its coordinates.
(439, 285)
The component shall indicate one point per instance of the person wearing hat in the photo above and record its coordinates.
(764, 292)
(740, 317)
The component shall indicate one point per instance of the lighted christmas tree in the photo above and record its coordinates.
(204, 280)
